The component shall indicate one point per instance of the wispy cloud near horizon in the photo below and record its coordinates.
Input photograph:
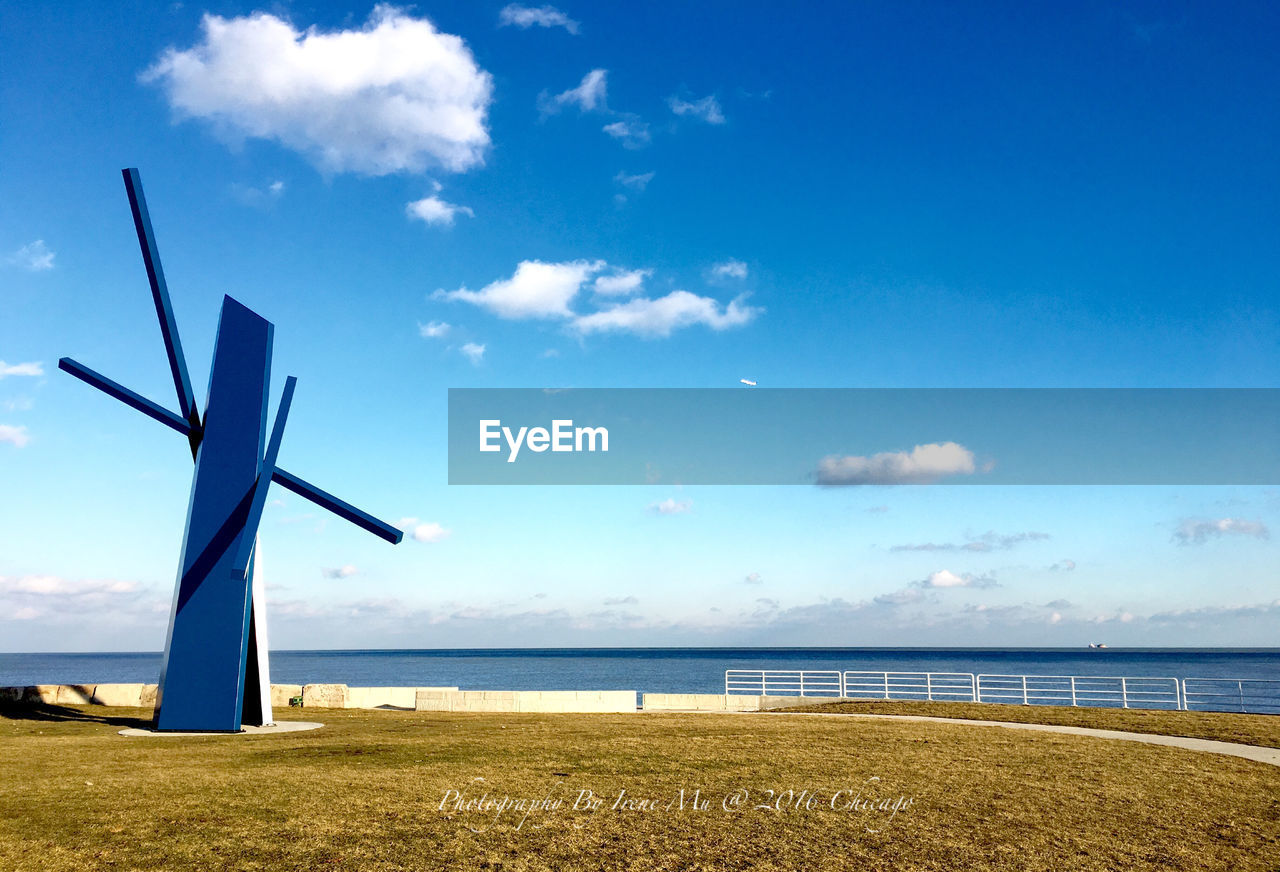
(1198, 532)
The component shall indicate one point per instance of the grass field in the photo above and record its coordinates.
(365, 793)
(1223, 726)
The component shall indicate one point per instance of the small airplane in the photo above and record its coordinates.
(748, 382)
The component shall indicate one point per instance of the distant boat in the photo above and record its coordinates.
(1097, 644)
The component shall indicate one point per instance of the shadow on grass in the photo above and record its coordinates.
(45, 712)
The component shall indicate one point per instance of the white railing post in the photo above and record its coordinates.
(885, 677)
(928, 686)
(1240, 690)
(1024, 690)
(802, 682)
(1124, 692)
(1073, 691)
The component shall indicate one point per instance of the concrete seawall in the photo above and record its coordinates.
(423, 699)
(446, 699)
(144, 695)
(582, 701)
(719, 702)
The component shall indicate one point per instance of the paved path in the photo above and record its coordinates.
(1233, 749)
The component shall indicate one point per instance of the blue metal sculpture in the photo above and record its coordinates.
(215, 677)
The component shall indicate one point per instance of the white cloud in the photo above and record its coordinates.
(434, 330)
(620, 601)
(947, 578)
(940, 580)
(420, 531)
(658, 317)
(34, 256)
(631, 132)
(547, 290)
(340, 571)
(591, 94)
(51, 585)
(671, 506)
(989, 541)
(637, 182)
(707, 109)
(433, 210)
(943, 578)
(1196, 532)
(395, 95)
(536, 290)
(31, 597)
(924, 463)
(1064, 565)
(899, 597)
(730, 269)
(753, 578)
(16, 436)
(622, 282)
(262, 197)
(525, 17)
(31, 368)
(473, 352)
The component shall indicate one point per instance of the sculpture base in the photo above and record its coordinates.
(269, 729)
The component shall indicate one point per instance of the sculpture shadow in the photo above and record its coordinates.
(49, 713)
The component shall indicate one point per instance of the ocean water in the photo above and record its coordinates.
(652, 670)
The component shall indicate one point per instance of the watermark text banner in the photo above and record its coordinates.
(864, 437)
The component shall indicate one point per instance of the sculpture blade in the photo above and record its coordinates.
(124, 395)
(164, 308)
(341, 508)
(241, 566)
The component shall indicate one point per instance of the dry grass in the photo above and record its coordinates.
(1223, 726)
(364, 793)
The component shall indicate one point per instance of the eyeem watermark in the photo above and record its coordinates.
(563, 436)
(856, 437)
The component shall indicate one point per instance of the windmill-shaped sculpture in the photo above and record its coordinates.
(215, 676)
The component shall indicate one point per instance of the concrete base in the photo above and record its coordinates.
(268, 730)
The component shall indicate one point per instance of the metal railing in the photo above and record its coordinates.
(1258, 695)
(1081, 690)
(1253, 695)
(783, 682)
(953, 686)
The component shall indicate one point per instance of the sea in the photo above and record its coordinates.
(652, 670)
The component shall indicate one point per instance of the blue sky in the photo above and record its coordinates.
(482, 195)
